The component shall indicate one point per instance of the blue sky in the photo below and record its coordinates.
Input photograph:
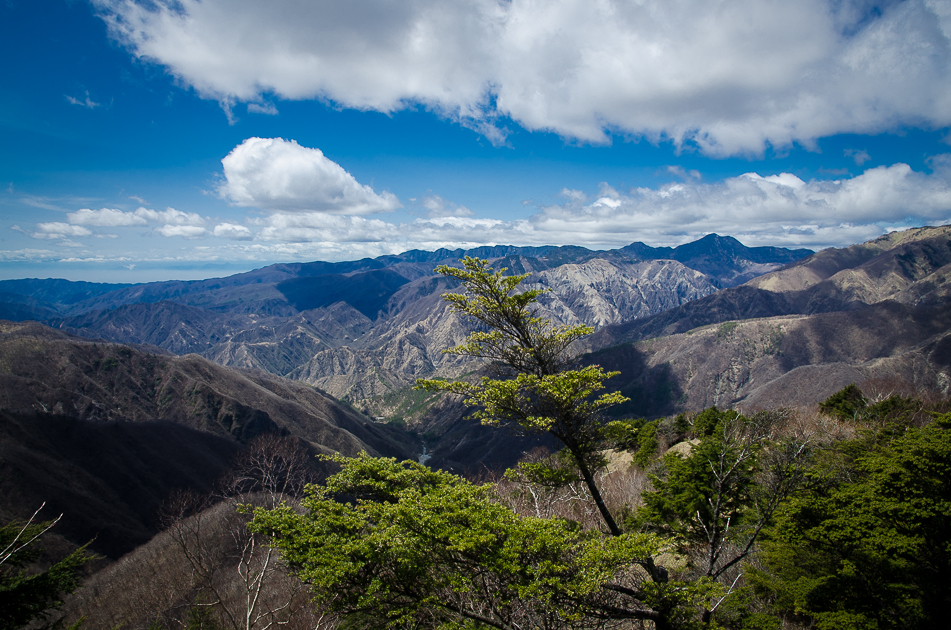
(179, 140)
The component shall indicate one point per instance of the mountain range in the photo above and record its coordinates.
(172, 379)
(361, 330)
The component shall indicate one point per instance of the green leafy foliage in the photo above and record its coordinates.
(869, 546)
(711, 421)
(537, 391)
(552, 472)
(417, 546)
(845, 404)
(32, 595)
(714, 501)
(636, 435)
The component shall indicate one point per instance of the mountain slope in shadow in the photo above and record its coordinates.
(104, 432)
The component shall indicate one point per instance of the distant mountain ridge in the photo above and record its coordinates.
(909, 266)
(874, 311)
(724, 259)
(363, 329)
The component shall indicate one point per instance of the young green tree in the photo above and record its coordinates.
(27, 596)
(714, 502)
(420, 548)
(535, 388)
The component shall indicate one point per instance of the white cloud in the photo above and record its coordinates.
(320, 227)
(439, 207)
(232, 231)
(730, 76)
(778, 210)
(281, 175)
(186, 231)
(28, 255)
(262, 108)
(57, 230)
(105, 217)
(87, 102)
(170, 216)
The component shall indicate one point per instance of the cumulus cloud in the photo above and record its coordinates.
(105, 217)
(781, 210)
(730, 77)
(170, 216)
(232, 231)
(59, 230)
(186, 231)
(281, 175)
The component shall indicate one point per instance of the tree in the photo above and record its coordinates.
(405, 546)
(27, 595)
(869, 546)
(420, 548)
(534, 390)
(715, 502)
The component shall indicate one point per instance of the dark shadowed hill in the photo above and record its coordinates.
(108, 479)
(105, 432)
(44, 370)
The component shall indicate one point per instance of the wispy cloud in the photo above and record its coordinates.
(105, 217)
(436, 206)
(86, 102)
(262, 108)
(859, 156)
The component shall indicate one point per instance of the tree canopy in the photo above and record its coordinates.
(416, 547)
(535, 389)
(869, 544)
(32, 595)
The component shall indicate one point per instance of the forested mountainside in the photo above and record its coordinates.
(708, 519)
(790, 336)
(111, 433)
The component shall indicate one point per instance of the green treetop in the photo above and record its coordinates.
(536, 391)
